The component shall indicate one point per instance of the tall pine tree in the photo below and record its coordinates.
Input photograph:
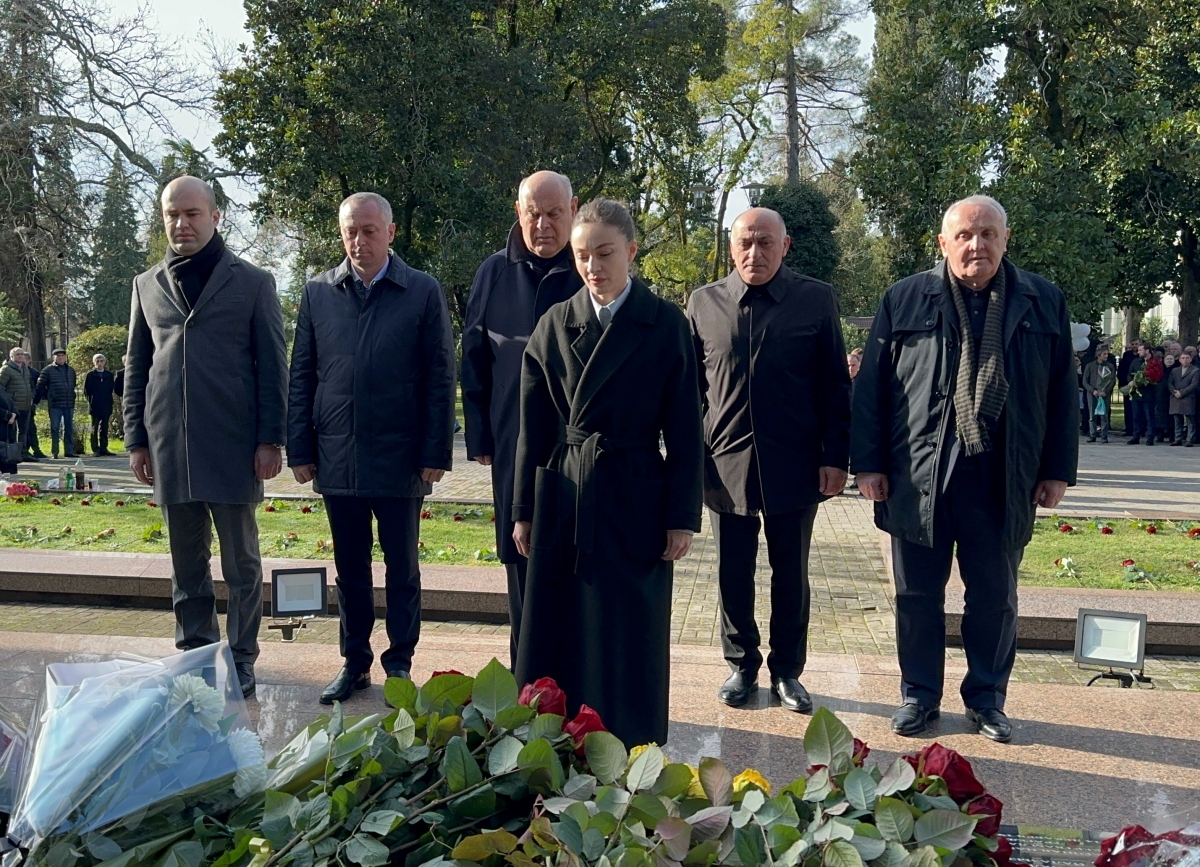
(116, 254)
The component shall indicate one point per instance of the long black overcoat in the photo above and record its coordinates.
(507, 299)
(98, 389)
(904, 396)
(601, 495)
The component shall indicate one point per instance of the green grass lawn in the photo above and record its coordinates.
(284, 531)
(1166, 555)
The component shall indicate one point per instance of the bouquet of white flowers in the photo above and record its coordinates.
(128, 751)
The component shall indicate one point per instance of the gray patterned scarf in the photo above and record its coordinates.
(980, 393)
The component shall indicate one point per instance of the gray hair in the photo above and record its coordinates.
(15, 352)
(99, 356)
(385, 207)
(986, 201)
(546, 175)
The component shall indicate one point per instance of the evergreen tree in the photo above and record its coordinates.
(116, 254)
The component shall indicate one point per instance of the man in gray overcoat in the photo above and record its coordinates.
(204, 405)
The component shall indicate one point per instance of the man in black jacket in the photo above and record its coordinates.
(1131, 354)
(965, 420)
(776, 396)
(32, 445)
(370, 423)
(56, 384)
(512, 289)
(98, 388)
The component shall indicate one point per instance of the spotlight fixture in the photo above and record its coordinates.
(297, 594)
(1112, 640)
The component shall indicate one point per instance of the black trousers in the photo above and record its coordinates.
(516, 602)
(23, 420)
(969, 522)
(31, 442)
(100, 433)
(789, 537)
(399, 520)
(189, 530)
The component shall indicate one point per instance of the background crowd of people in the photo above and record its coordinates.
(1157, 384)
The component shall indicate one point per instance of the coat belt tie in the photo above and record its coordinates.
(591, 446)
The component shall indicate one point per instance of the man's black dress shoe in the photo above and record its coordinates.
(344, 685)
(991, 723)
(792, 694)
(735, 691)
(912, 719)
(245, 674)
(399, 672)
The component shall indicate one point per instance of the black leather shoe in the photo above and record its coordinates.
(245, 673)
(344, 685)
(401, 673)
(736, 690)
(792, 694)
(1134, 442)
(912, 719)
(991, 723)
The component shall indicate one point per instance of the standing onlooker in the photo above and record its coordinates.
(98, 387)
(16, 382)
(1162, 396)
(1099, 378)
(57, 385)
(32, 444)
(1143, 402)
(853, 363)
(8, 428)
(207, 434)
(1182, 388)
(370, 424)
(1131, 355)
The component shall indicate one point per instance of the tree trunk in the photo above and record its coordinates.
(1187, 289)
(793, 110)
(1133, 325)
(717, 232)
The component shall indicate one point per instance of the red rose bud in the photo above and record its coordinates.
(1194, 532)
(1058, 562)
(1152, 529)
(457, 517)
(119, 503)
(550, 699)
(56, 502)
(861, 751)
(937, 761)
(306, 510)
(85, 502)
(448, 671)
(587, 720)
(152, 504)
(426, 515)
(1126, 562)
(268, 508)
(1065, 528)
(1106, 531)
(988, 807)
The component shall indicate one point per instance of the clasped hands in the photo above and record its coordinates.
(679, 542)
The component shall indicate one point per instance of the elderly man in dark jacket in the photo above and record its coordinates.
(371, 424)
(776, 396)
(965, 421)
(19, 385)
(206, 439)
(512, 290)
(56, 385)
(98, 388)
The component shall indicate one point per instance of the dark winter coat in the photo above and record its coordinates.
(775, 390)
(98, 389)
(1184, 380)
(371, 401)
(904, 398)
(56, 385)
(601, 496)
(17, 381)
(119, 383)
(1162, 399)
(510, 294)
(205, 386)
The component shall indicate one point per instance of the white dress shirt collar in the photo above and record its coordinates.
(614, 305)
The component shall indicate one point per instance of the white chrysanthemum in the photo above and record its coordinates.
(208, 705)
(251, 773)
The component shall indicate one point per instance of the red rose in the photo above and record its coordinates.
(861, 751)
(1003, 854)
(1065, 528)
(85, 502)
(493, 519)
(448, 671)
(1133, 842)
(550, 699)
(119, 503)
(1194, 532)
(989, 807)
(937, 761)
(268, 508)
(457, 517)
(1126, 563)
(1154, 370)
(1152, 529)
(152, 504)
(306, 510)
(1106, 531)
(55, 502)
(426, 515)
(587, 720)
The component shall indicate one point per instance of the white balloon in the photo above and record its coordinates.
(1080, 329)
(1080, 344)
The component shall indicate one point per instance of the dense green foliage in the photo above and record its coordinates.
(810, 222)
(117, 256)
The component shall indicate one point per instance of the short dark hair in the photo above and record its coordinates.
(608, 212)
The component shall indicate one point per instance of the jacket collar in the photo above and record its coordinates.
(397, 271)
(516, 251)
(224, 270)
(776, 286)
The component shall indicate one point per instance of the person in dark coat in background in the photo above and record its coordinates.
(119, 380)
(1099, 377)
(32, 445)
(1162, 397)
(8, 428)
(371, 425)
(1181, 386)
(1131, 354)
(965, 421)
(512, 290)
(98, 388)
(777, 438)
(56, 385)
(598, 510)
(19, 385)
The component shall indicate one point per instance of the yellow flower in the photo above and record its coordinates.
(638, 750)
(751, 777)
(695, 790)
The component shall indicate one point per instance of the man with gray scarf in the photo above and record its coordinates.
(965, 421)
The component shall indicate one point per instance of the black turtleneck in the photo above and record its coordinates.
(191, 273)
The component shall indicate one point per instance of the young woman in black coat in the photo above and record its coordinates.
(599, 510)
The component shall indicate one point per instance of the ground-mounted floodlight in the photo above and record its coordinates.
(295, 595)
(1112, 640)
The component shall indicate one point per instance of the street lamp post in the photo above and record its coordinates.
(754, 193)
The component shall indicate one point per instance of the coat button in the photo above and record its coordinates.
(928, 321)
(1026, 324)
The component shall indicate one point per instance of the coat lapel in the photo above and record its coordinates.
(939, 292)
(615, 344)
(220, 276)
(1019, 292)
(170, 290)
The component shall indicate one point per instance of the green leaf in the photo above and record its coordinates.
(944, 829)
(839, 853)
(748, 843)
(514, 717)
(753, 800)
(868, 843)
(673, 781)
(894, 820)
(479, 804)
(503, 756)
(647, 809)
(540, 767)
(366, 851)
(703, 855)
(819, 786)
(580, 787)
(100, 847)
(676, 835)
(716, 781)
(899, 777)
(546, 725)
(186, 853)
(827, 738)
(495, 690)
(926, 856)
(606, 756)
(859, 786)
(569, 834)
(458, 765)
(382, 822)
(894, 855)
(481, 846)
(452, 688)
(710, 823)
(348, 745)
(404, 729)
(792, 855)
(400, 693)
(645, 769)
(612, 799)
(278, 809)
